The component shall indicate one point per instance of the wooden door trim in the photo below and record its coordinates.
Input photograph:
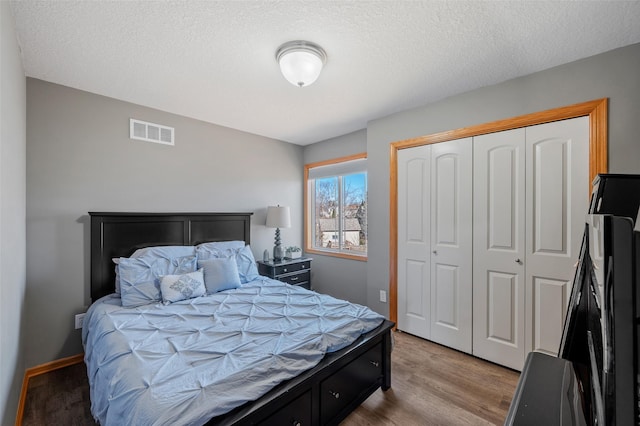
(596, 110)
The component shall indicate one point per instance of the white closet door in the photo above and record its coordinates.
(414, 314)
(557, 205)
(499, 247)
(451, 243)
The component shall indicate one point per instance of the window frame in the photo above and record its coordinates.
(309, 222)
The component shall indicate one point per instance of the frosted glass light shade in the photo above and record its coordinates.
(300, 62)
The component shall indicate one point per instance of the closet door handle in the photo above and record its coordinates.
(435, 252)
(519, 262)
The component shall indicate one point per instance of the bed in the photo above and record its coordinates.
(311, 387)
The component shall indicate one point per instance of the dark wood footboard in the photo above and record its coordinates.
(327, 393)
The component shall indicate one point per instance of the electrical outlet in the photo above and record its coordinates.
(383, 296)
(79, 320)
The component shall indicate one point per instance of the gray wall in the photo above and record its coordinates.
(80, 159)
(342, 278)
(12, 216)
(615, 75)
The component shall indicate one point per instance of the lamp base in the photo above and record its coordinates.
(278, 252)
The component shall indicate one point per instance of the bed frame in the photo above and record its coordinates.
(324, 395)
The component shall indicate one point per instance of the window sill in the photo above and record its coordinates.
(361, 258)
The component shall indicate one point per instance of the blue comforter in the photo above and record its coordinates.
(193, 360)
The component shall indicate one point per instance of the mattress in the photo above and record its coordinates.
(189, 361)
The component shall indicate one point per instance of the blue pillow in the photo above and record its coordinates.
(220, 274)
(247, 268)
(139, 277)
(217, 249)
(182, 287)
(169, 252)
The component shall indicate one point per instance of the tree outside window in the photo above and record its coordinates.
(337, 209)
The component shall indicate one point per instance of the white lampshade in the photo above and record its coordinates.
(278, 217)
(300, 62)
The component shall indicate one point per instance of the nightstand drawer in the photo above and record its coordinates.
(291, 271)
(292, 267)
(296, 278)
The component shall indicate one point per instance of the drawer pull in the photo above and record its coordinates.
(336, 395)
(284, 269)
(375, 363)
(296, 423)
(294, 278)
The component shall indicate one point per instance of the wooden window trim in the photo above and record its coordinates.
(596, 110)
(307, 225)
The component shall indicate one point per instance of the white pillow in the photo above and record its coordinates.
(181, 287)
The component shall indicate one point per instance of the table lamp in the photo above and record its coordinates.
(278, 217)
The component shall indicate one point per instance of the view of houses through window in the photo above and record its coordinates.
(339, 210)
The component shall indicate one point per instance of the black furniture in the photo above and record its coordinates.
(548, 393)
(324, 395)
(291, 271)
(600, 348)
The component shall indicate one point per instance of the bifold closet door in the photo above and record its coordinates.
(499, 247)
(414, 241)
(557, 206)
(435, 242)
(451, 243)
(530, 205)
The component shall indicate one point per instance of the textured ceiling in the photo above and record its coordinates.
(215, 60)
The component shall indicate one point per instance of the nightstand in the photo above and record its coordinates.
(290, 271)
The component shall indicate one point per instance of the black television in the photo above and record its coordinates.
(594, 380)
(620, 384)
(601, 336)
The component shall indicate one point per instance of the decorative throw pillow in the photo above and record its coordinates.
(138, 277)
(247, 269)
(181, 287)
(220, 274)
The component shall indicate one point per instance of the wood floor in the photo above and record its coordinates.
(435, 385)
(431, 385)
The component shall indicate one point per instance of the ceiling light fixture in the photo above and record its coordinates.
(301, 62)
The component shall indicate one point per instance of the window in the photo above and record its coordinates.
(336, 207)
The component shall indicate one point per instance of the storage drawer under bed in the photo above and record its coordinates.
(296, 413)
(344, 387)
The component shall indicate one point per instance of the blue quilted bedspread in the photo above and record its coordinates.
(187, 362)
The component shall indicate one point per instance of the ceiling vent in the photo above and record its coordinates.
(151, 132)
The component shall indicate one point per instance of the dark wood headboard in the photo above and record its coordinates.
(120, 234)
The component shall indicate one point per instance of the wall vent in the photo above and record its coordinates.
(151, 132)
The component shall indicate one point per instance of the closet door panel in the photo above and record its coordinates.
(550, 300)
(414, 241)
(446, 289)
(502, 320)
(451, 243)
(499, 247)
(557, 175)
